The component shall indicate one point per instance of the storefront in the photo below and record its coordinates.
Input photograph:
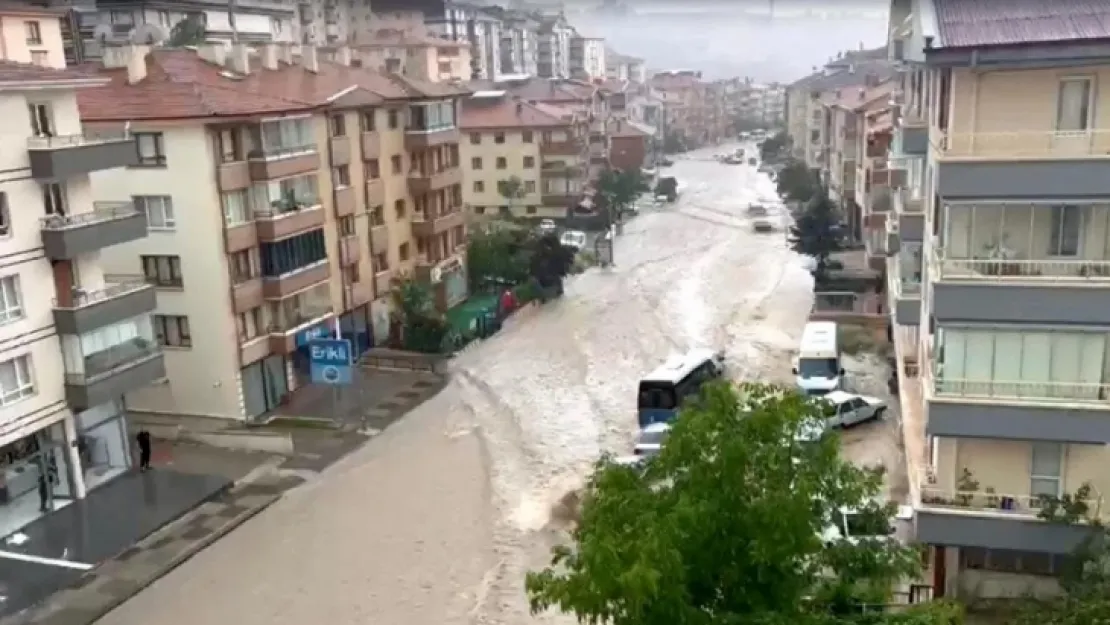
(35, 477)
(102, 444)
(264, 384)
(319, 332)
(355, 326)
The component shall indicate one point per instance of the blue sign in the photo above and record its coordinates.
(330, 361)
(322, 330)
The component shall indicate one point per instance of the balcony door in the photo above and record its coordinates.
(1074, 108)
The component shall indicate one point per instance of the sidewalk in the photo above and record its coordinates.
(117, 580)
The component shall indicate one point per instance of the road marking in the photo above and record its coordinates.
(23, 557)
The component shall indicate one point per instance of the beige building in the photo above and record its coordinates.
(507, 139)
(283, 196)
(1011, 325)
(73, 340)
(414, 53)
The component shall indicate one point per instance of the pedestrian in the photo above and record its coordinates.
(143, 439)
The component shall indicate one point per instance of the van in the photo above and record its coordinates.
(817, 370)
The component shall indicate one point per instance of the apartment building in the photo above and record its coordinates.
(283, 196)
(623, 67)
(587, 58)
(412, 53)
(331, 22)
(464, 22)
(73, 341)
(553, 50)
(508, 139)
(519, 44)
(683, 94)
(1009, 413)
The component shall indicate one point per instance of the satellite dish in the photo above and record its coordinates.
(103, 33)
(148, 34)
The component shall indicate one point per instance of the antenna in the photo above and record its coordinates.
(231, 21)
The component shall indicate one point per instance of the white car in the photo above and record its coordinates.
(849, 409)
(547, 226)
(651, 439)
(849, 524)
(573, 239)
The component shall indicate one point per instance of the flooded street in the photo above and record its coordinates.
(435, 521)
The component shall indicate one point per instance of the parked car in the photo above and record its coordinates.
(651, 439)
(848, 409)
(547, 226)
(575, 239)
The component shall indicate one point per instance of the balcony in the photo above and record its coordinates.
(283, 221)
(423, 226)
(275, 163)
(421, 182)
(233, 176)
(58, 158)
(345, 201)
(340, 148)
(559, 198)
(247, 295)
(362, 292)
(423, 139)
(277, 287)
(375, 193)
(379, 238)
(371, 145)
(240, 236)
(297, 316)
(108, 374)
(84, 311)
(1024, 164)
(979, 517)
(64, 237)
(914, 134)
(1022, 263)
(349, 250)
(904, 284)
(383, 282)
(572, 147)
(911, 216)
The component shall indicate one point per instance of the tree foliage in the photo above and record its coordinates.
(773, 148)
(796, 183)
(725, 526)
(498, 257)
(618, 190)
(1086, 585)
(188, 32)
(511, 189)
(815, 233)
(421, 327)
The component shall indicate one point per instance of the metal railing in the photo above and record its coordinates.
(281, 208)
(1022, 391)
(116, 358)
(297, 319)
(81, 298)
(101, 212)
(986, 500)
(282, 152)
(1020, 270)
(1017, 145)
(77, 140)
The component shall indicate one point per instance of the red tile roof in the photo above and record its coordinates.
(971, 23)
(505, 112)
(548, 89)
(180, 84)
(14, 72)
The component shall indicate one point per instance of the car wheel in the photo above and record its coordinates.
(878, 413)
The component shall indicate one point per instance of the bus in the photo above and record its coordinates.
(662, 392)
(817, 369)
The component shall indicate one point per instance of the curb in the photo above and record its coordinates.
(174, 563)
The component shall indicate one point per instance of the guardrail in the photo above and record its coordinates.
(1018, 145)
(1057, 392)
(101, 212)
(986, 500)
(1015, 270)
(81, 298)
(70, 141)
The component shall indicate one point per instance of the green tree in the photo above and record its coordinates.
(618, 190)
(188, 32)
(512, 190)
(496, 257)
(816, 232)
(419, 326)
(796, 182)
(772, 148)
(728, 525)
(1085, 581)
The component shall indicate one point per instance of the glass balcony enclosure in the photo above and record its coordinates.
(91, 355)
(909, 268)
(278, 197)
(282, 137)
(431, 116)
(300, 308)
(1026, 240)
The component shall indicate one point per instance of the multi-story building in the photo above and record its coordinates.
(89, 25)
(682, 92)
(624, 67)
(466, 22)
(73, 340)
(1008, 224)
(519, 44)
(553, 49)
(587, 58)
(331, 22)
(413, 53)
(283, 195)
(507, 138)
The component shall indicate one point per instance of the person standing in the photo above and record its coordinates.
(143, 438)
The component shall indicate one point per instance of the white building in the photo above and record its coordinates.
(587, 58)
(72, 340)
(519, 45)
(553, 52)
(623, 67)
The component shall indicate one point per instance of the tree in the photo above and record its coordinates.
(418, 326)
(816, 232)
(512, 190)
(550, 262)
(771, 149)
(618, 189)
(496, 257)
(188, 32)
(796, 182)
(728, 525)
(1085, 580)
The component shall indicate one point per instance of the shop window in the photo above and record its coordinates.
(102, 444)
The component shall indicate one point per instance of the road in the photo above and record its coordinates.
(436, 520)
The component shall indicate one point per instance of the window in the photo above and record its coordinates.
(347, 226)
(529, 186)
(337, 125)
(351, 275)
(394, 119)
(475, 163)
(1011, 561)
(42, 120)
(377, 216)
(163, 271)
(11, 304)
(237, 210)
(287, 194)
(1066, 226)
(499, 137)
(231, 148)
(381, 262)
(282, 137)
(526, 136)
(54, 199)
(341, 176)
(504, 210)
(399, 208)
(393, 66)
(403, 251)
(1044, 469)
(243, 265)
(249, 324)
(151, 150)
(531, 210)
(292, 254)
(395, 163)
(5, 216)
(159, 211)
(16, 380)
(1073, 107)
(502, 162)
(34, 33)
(373, 170)
(172, 331)
(367, 121)
(529, 162)
(475, 138)
(40, 58)
(479, 186)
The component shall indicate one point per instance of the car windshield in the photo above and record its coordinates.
(652, 437)
(818, 367)
(657, 395)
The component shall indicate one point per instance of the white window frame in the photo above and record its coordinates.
(157, 208)
(1058, 222)
(240, 214)
(1088, 119)
(25, 380)
(1061, 451)
(11, 299)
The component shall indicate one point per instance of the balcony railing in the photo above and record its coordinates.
(1019, 145)
(985, 501)
(101, 212)
(113, 359)
(1047, 272)
(81, 298)
(1022, 391)
(72, 141)
(286, 206)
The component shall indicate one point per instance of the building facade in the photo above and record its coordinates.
(73, 339)
(553, 47)
(519, 44)
(587, 58)
(281, 217)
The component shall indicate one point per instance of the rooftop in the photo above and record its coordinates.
(974, 23)
(499, 110)
(15, 75)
